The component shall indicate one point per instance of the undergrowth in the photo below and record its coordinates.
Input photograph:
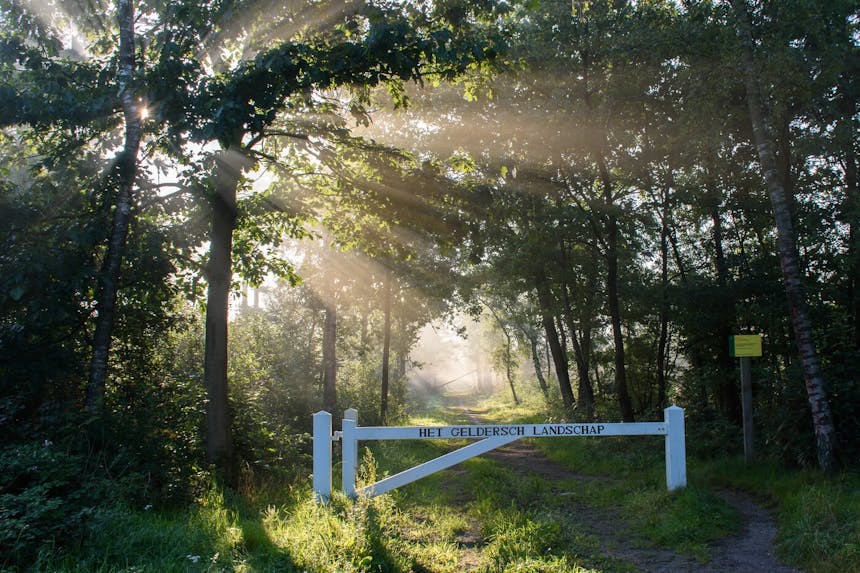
(477, 516)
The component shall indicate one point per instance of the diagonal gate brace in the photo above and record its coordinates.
(442, 462)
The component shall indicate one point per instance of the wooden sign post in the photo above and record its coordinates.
(745, 346)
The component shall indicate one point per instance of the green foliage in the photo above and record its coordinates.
(49, 493)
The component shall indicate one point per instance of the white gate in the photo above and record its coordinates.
(491, 437)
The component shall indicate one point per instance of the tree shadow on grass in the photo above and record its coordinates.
(263, 553)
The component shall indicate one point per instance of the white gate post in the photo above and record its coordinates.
(322, 456)
(676, 451)
(349, 443)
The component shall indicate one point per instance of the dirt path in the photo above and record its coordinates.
(750, 551)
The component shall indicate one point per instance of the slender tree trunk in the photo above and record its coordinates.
(552, 336)
(624, 403)
(311, 347)
(548, 358)
(219, 446)
(664, 304)
(364, 320)
(851, 208)
(728, 391)
(587, 323)
(508, 372)
(330, 357)
(531, 335)
(586, 392)
(822, 420)
(127, 170)
(402, 349)
(508, 355)
(386, 347)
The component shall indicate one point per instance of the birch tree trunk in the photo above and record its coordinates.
(127, 168)
(822, 420)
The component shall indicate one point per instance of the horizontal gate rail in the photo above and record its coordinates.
(490, 436)
(515, 430)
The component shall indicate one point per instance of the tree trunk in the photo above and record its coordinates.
(664, 304)
(330, 358)
(386, 347)
(508, 356)
(624, 403)
(597, 151)
(822, 419)
(728, 392)
(310, 351)
(552, 336)
(402, 349)
(586, 392)
(531, 335)
(508, 372)
(219, 272)
(363, 340)
(851, 208)
(127, 170)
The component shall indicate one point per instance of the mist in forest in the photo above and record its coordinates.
(450, 356)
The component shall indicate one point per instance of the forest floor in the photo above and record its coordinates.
(749, 551)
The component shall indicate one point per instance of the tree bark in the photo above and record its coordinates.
(386, 347)
(228, 168)
(127, 170)
(552, 336)
(822, 420)
(330, 358)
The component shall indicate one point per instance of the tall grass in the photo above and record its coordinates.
(818, 517)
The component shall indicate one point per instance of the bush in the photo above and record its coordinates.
(48, 494)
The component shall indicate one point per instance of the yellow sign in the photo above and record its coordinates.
(745, 345)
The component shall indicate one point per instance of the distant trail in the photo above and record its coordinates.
(750, 551)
